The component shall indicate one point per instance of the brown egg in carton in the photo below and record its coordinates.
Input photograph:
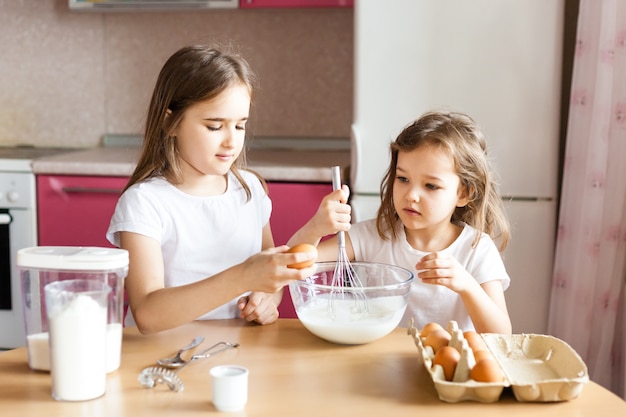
(538, 368)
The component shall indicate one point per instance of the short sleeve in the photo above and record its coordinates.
(135, 213)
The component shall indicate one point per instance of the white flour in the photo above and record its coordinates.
(114, 346)
(78, 350)
(39, 351)
(346, 327)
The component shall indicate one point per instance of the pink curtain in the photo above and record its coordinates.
(589, 280)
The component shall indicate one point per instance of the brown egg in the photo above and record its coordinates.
(487, 370)
(448, 357)
(302, 247)
(474, 340)
(429, 327)
(482, 354)
(437, 339)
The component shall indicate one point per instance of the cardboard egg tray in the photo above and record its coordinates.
(538, 368)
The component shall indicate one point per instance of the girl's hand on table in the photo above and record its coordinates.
(268, 273)
(258, 307)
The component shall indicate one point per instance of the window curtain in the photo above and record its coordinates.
(589, 279)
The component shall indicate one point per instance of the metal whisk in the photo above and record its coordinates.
(346, 283)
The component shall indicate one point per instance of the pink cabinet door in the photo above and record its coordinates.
(293, 205)
(76, 210)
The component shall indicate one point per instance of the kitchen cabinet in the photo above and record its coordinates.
(150, 5)
(251, 4)
(293, 205)
(76, 210)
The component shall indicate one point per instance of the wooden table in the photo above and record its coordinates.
(292, 373)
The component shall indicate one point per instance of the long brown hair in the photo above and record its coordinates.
(193, 74)
(460, 136)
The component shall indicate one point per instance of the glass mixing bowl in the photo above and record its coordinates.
(352, 315)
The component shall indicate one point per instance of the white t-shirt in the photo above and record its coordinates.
(199, 236)
(427, 302)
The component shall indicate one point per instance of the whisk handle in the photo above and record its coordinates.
(336, 178)
(341, 239)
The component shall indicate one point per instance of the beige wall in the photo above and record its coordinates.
(67, 78)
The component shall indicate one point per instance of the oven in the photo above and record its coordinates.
(18, 229)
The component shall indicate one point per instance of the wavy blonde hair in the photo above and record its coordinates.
(459, 135)
(191, 75)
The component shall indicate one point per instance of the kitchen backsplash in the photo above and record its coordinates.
(68, 77)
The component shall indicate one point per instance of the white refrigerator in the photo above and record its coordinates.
(500, 62)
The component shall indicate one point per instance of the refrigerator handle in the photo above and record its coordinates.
(355, 154)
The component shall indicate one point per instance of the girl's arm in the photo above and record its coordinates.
(268, 242)
(259, 306)
(156, 308)
(486, 306)
(485, 302)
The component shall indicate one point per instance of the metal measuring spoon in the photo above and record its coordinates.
(176, 360)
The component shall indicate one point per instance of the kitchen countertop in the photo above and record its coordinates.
(300, 165)
(292, 372)
(113, 161)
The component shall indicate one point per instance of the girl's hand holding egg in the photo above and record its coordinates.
(302, 247)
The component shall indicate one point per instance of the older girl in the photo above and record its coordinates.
(195, 223)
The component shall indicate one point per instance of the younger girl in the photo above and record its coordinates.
(195, 224)
(440, 209)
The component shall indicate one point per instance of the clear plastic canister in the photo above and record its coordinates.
(41, 265)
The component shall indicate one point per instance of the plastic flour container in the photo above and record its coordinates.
(42, 265)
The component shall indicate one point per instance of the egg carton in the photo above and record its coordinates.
(538, 368)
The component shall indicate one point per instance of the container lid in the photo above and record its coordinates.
(72, 258)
